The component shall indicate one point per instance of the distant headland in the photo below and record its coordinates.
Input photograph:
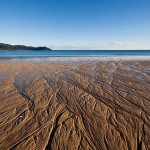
(20, 47)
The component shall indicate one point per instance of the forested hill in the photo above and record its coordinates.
(20, 47)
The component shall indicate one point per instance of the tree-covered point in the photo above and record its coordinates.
(20, 47)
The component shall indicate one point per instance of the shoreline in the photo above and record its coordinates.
(75, 58)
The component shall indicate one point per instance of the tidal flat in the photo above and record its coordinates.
(77, 105)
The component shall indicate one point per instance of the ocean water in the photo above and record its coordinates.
(73, 55)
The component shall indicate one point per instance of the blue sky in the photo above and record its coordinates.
(76, 24)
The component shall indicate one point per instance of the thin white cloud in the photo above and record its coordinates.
(120, 43)
(95, 46)
(76, 47)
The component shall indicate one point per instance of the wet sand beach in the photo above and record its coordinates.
(75, 105)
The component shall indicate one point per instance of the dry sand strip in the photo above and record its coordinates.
(75, 105)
